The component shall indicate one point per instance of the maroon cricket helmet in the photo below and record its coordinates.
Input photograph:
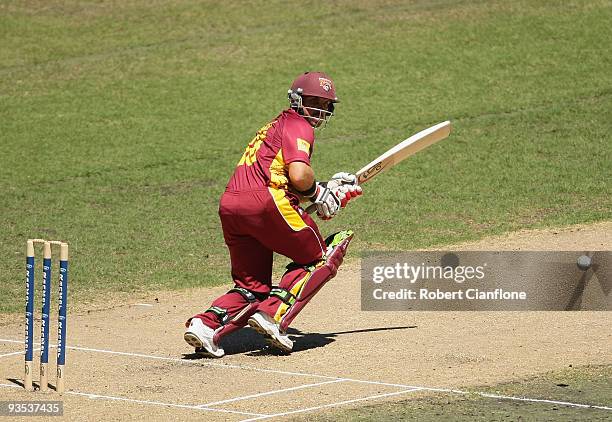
(315, 84)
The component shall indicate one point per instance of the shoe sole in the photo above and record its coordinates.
(201, 350)
(269, 336)
(193, 340)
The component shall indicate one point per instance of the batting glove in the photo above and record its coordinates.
(349, 192)
(345, 178)
(328, 199)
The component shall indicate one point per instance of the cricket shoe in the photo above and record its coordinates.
(267, 326)
(200, 336)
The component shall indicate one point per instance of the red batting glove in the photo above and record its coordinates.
(350, 192)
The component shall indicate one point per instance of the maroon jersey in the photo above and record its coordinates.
(265, 162)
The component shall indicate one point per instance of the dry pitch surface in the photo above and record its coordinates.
(127, 360)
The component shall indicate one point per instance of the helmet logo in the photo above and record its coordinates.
(326, 84)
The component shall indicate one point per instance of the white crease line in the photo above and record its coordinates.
(6, 340)
(143, 304)
(157, 403)
(303, 374)
(267, 393)
(192, 362)
(562, 403)
(493, 396)
(92, 396)
(340, 403)
(21, 352)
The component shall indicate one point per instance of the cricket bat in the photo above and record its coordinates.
(400, 152)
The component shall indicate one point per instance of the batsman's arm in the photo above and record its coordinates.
(301, 177)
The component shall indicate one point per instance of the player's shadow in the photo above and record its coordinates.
(251, 343)
(306, 341)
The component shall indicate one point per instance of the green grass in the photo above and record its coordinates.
(121, 122)
(586, 385)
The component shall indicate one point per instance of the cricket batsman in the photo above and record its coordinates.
(260, 214)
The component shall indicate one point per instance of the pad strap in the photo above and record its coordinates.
(220, 313)
(285, 295)
(309, 267)
(249, 296)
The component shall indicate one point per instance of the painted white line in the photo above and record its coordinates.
(562, 403)
(6, 340)
(496, 396)
(93, 396)
(267, 393)
(21, 352)
(201, 363)
(304, 374)
(157, 403)
(143, 304)
(189, 362)
(340, 403)
(390, 384)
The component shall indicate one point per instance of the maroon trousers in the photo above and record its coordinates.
(255, 224)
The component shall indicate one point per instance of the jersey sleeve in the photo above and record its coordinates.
(297, 142)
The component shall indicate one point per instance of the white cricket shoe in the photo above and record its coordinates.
(200, 336)
(265, 325)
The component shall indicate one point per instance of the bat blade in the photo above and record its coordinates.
(404, 149)
(400, 152)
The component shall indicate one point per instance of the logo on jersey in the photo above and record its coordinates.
(326, 84)
(303, 145)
